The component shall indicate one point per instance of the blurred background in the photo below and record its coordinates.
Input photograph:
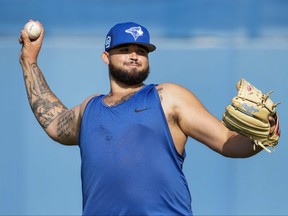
(204, 45)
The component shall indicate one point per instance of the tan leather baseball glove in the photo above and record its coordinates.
(249, 115)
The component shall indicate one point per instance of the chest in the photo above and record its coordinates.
(116, 99)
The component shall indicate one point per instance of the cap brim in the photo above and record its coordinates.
(150, 47)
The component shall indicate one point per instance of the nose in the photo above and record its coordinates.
(133, 56)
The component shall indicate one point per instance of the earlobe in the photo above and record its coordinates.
(105, 57)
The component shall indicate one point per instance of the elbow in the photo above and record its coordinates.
(61, 140)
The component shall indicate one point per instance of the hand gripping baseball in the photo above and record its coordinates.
(250, 115)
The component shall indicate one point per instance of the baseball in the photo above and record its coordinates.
(33, 29)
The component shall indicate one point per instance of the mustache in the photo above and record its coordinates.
(132, 62)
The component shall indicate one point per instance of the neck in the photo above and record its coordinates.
(120, 88)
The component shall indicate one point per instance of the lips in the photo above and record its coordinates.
(132, 64)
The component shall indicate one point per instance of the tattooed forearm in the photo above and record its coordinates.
(65, 126)
(40, 80)
(45, 105)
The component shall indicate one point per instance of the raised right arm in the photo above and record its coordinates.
(60, 123)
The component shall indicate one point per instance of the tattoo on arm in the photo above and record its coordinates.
(45, 105)
(65, 125)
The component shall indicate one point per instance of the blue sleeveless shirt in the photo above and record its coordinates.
(130, 165)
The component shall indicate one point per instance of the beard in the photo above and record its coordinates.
(131, 77)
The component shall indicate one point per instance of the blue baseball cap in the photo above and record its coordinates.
(128, 33)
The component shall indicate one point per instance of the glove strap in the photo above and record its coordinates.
(258, 143)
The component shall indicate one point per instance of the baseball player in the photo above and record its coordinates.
(132, 139)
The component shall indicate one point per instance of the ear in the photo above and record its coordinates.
(105, 57)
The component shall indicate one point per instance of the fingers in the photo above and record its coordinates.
(24, 38)
(21, 37)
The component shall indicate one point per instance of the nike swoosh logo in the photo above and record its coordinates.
(140, 110)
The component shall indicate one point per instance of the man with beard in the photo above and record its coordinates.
(132, 140)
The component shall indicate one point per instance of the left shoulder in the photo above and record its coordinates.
(176, 96)
(168, 86)
(173, 90)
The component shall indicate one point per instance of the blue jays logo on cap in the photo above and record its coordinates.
(135, 32)
(128, 33)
